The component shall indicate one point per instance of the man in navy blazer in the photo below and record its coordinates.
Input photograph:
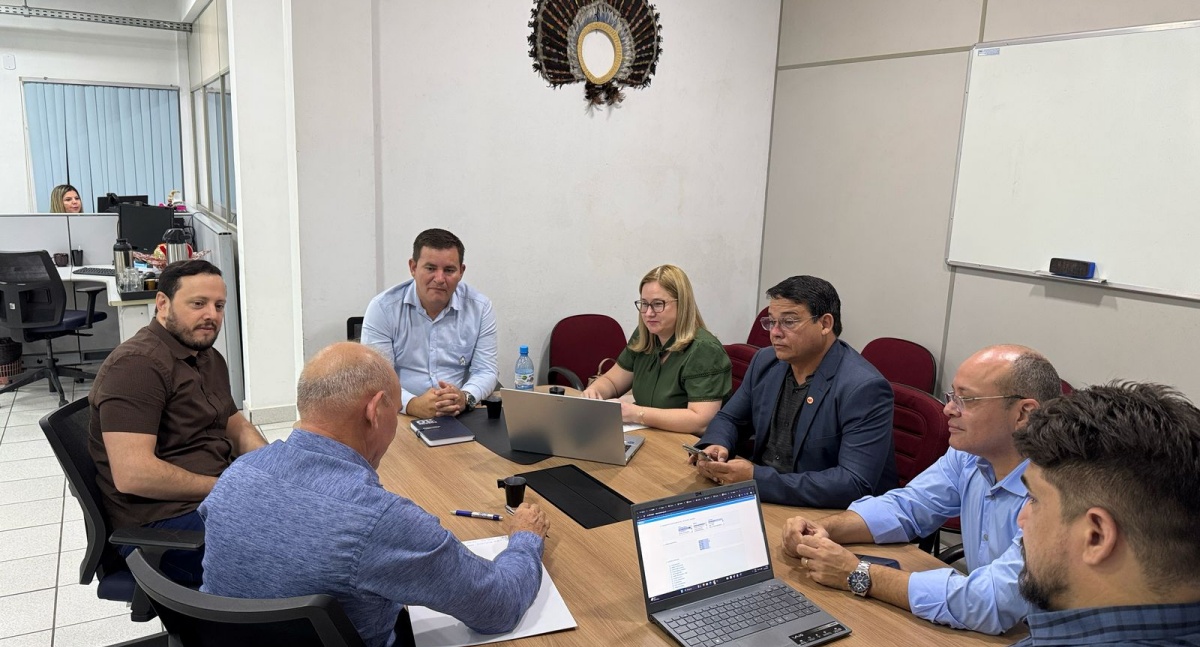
(820, 415)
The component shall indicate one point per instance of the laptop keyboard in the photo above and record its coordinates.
(726, 621)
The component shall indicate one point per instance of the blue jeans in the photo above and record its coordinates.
(182, 566)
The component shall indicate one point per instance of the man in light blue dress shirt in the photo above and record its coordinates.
(439, 333)
(978, 480)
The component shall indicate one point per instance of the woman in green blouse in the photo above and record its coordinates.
(679, 371)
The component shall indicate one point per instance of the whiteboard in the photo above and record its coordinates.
(1085, 146)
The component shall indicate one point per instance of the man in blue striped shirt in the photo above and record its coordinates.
(978, 480)
(1112, 527)
(309, 516)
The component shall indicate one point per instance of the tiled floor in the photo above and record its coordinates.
(42, 539)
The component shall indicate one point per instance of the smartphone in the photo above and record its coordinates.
(698, 453)
(882, 561)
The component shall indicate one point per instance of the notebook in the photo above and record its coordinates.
(442, 430)
(573, 427)
(707, 577)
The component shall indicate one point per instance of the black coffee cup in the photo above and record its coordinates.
(77, 257)
(493, 405)
(60, 260)
(514, 491)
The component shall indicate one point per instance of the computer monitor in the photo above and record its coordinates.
(143, 226)
(104, 203)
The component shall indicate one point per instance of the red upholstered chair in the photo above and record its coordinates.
(919, 431)
(902, 361)
(758, 337)
(740, 356)
(577, 346)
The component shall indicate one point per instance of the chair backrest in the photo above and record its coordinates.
(67, 431)
(740, 356)
(354, 328)
(919, 431)
(903, 361)
(31, 291)
(759, 337)
(580, 342)
(195, 619)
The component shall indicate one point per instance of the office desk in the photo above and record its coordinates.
(597, 570)
(132, 316)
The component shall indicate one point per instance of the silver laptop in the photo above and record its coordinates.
(707, 578)
(568, 426)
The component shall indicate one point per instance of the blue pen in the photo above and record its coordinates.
(477, 515)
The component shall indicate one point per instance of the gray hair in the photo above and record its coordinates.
(329, 386)
(1032, 376)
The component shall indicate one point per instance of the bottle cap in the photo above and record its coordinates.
(524, 350)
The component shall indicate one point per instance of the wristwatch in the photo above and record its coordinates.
(860, 579)
(471, 402)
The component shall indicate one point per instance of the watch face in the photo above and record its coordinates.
(859, 582)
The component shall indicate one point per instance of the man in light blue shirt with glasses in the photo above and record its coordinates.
(978, 480)
(440, 334)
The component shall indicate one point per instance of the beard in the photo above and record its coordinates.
(189, 337)
(1042, 591)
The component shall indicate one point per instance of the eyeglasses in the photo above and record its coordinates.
(656, 306)
(787, 323)
(960, 402)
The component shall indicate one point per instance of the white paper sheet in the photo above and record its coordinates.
(548, 613)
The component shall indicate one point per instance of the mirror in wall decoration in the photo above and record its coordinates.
(608, 46)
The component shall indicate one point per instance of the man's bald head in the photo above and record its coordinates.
(340, 378)
(1020, 370)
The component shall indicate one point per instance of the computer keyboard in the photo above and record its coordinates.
(96, 271)
(725, 621)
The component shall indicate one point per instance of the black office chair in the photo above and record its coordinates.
(194, 619)
(33, 304)
(67, 431)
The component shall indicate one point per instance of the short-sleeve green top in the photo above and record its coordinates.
(699, 373)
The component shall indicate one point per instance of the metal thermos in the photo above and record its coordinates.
(177, 247)
(122, 256)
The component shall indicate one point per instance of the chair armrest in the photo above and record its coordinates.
(91, 291)
(566, 373)
(162, 538)
(952, 554)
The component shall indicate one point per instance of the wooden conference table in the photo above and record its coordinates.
(597, 570)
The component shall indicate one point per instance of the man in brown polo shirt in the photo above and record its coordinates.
(164, 425)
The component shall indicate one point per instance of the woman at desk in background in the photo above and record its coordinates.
(65, 199)
(679, 371)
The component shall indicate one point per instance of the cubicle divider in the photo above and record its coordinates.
(218, 238)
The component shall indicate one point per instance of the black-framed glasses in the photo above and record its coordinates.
(787, 323)
(656, 306)
(960, 402)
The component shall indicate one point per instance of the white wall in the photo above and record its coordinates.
(78, 51)
(865, 137)
(260, 51)
(562, 212)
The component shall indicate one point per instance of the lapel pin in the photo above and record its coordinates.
(809, 400)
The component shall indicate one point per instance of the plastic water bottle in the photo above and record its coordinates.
(524, 372)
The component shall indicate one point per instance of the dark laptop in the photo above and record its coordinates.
(707, 578)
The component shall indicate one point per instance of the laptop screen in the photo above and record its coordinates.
(691, 544)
